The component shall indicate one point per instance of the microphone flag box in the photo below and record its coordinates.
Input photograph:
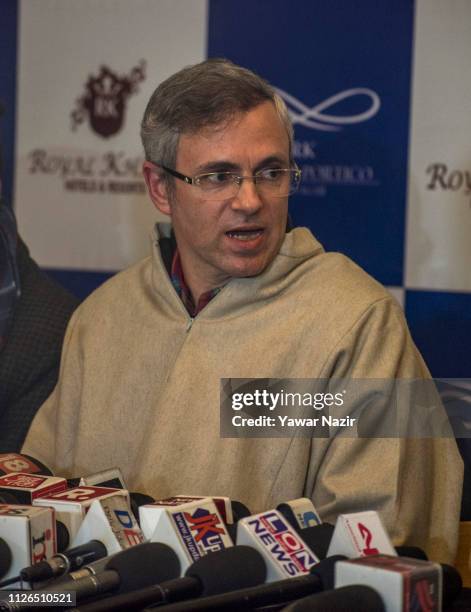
(404, 584)
(72, 505)
(26, 487)
(360, 534)
(285, 552)
(300, 513)
(30, 533)
(14, 462)
(149, 514)
(192, 530)
(223, 504)
(110, 521)
(111, 478)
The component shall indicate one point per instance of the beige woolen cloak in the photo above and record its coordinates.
(139, 388)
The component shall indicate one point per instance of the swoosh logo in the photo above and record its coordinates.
(317, 119)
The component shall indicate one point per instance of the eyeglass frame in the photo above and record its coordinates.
(191, 180)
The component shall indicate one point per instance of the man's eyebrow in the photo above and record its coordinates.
(271, 160)
(217, 166)
(227, 166)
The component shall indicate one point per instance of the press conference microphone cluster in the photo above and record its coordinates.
(289, 551)
(226, 570)
(41, 517)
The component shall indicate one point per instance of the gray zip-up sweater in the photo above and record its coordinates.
(139, 388)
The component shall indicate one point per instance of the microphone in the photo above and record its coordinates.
(285, 552)
(30, 535)
(111, 479)
(137, 500)
(318, 538)
(5, 558)
(300, 513)
(403, 583)
(63, 563)
(72, 505)
(110, 520)
(192, 530)
(91, 569)
(360, 534)
(239, 511)
(26, 487)
(321, 577)
(452, 581)
(414, 552)
(233, 568)
(132, 569)
(344, 599)
(149, 514)
(16, 462)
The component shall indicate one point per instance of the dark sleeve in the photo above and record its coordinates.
(29, 361)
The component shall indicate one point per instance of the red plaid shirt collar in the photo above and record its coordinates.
(178, 281)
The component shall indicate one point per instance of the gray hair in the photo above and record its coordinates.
(199, 96)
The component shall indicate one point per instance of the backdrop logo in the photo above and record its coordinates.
(316, 119)
(105, 98)
(443, 178)
(320, 174)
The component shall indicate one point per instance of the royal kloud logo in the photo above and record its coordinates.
(103, 104)
(318, 176)
(105, 98)
(443, 178)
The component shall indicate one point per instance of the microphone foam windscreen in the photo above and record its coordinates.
(413, 552)
(344, 599)
(139, 499)
(452, 584)
(239, 510)
(325, 571)
(318, 538)
(144, 565)
(5, 558)
(7, 498)
(237, 567)
(43, 469)
(63, 538)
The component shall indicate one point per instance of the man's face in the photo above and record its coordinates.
(239, 237)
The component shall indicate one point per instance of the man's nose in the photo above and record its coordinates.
(248, 199)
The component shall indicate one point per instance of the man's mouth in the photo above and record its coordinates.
(245, 234)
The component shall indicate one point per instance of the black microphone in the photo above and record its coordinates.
(65, 562)
(321, 577)
(318, 538)
(5, 558)
(344, 599)
(131, 569)
(413, 552)
(136, 500)
(233, 568)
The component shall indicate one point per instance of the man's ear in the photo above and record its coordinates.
(157, 187)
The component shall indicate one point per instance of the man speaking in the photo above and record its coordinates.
(229, 292)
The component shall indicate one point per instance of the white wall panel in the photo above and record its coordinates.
(61, 44)
(438, 253)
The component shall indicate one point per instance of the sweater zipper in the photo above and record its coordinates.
(189, 324)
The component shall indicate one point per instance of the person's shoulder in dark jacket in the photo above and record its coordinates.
(30, 358)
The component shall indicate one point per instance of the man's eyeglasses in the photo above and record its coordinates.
(270, 182)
